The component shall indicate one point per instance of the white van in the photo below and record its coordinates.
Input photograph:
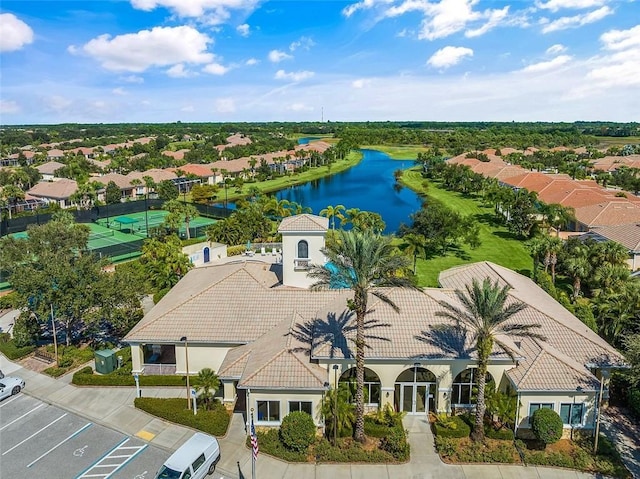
(193, 460)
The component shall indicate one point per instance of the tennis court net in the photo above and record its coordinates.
(96, 236)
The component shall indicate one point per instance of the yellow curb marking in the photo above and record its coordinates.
(146, 435)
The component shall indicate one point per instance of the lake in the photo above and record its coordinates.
(369, 186)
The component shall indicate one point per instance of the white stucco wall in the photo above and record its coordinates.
(283, 397)
(290, 274)
(196, 252)
(200, 356)
(558, 398)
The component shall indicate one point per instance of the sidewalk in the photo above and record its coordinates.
(113, 407)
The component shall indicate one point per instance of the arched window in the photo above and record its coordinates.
(371, 384)
(303, 249)
(463, 386)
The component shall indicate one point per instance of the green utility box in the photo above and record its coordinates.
(106, 361)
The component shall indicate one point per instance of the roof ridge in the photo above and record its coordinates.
(533, 363)
(563, 358)
(238, 359)
(273, 358)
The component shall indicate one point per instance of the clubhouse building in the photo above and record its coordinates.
(278, 346)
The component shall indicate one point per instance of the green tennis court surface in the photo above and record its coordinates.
(138, 223)
(101, 236)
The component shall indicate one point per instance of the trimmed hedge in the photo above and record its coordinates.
(214, 421)
(86, 377)
(503, 433)
(348, 450)
(373, 428)
(10, 350)
(455, 426)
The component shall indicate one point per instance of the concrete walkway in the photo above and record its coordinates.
(624, 432)
(113, 407)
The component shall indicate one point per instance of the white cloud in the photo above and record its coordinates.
(132, 79)
(215, 69)
(213, 12)
(276, 56)
(57, 103)
(448, 56)
(555, 49)
(299, 107)
(119, 91)
(243, 30)
(9, 106)
(555, 5)
(15, 33)
(251, 61)
(187, 108)
(362, 5)
(576, 21)
(178, 71)
(225, 105)
(548, 65)
(293, 76)
(304, 42)
(496, 17)
(160, 46)
(621, 39)
(360, 83)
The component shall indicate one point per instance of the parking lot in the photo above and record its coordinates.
(40, 440)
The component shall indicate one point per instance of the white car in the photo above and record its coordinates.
(10, 385)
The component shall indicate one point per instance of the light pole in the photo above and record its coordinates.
(603, 375)
(335, 404)
(55, 336)
(186, 356)
(225, 196)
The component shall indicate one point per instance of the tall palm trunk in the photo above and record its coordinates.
(360, 343)
(485, 345)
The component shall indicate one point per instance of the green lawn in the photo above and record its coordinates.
(608, 141)
(399, 152)
(498, 244)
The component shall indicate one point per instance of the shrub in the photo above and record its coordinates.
(349, 451)
(236, 250)
(270, 443)
(159, 295)
(502, 453)
(297, 431)
(633, 399)
(213, 421)
(546, 424)
(451, 426)
(502, 433)
(396, 444)
(373, 428)
(10, 350)
(446, 446)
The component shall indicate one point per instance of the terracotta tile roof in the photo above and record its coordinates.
(611, 163)
(545, 369)
(233, 303)
(277, 360)
(305, 222)
(203, 171)
(176, 155)
(627, 235)
(609, 213)
(156, 174)
(58, 190)
(55, 153)
(49, 167)
(123, 182)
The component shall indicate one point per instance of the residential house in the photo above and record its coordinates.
(55, 154)
(58, 191)
(278, 346)
(627, 235)
(48, 169)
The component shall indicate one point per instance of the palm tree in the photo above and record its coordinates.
(332, 212)
(208, 383)
(415, 244)
(338, 412)
(485, 314)
(364, 262)
(576, 264)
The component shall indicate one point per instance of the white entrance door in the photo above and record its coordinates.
(414, 397)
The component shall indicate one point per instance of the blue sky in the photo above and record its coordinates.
(305, 60)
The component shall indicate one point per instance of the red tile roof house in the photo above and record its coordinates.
(176, 155)
(55, 192)
(55, 154)
(84, 151)
(123, 182)
(156, 174)
(204, 172)
(14, 159)
(246, 319)
(48, 169)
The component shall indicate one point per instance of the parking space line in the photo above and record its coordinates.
(34, 434)
(9, 401)
(61, 443)
(101, 463)
(24, 415)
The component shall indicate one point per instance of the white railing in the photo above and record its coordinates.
(159, 369)
(301, 263)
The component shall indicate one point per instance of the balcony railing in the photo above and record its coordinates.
(301, 263)
(159, 369)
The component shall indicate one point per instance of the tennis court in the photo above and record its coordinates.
(137, 223)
